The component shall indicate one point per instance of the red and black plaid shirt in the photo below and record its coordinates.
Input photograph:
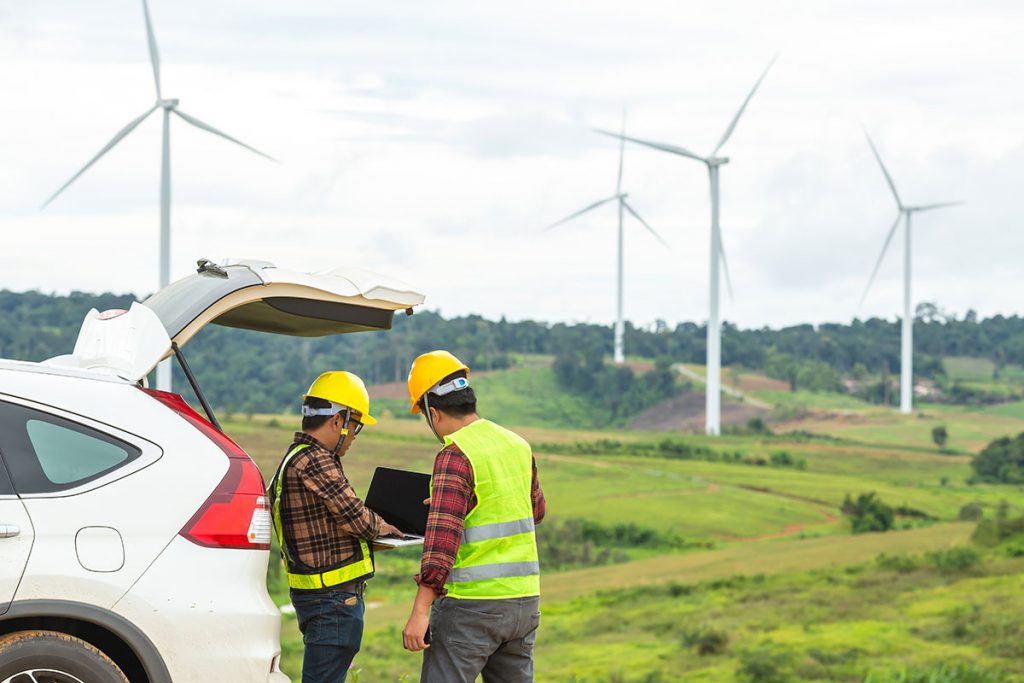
(322, 518)
(451, 500)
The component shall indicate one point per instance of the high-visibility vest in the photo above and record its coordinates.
(497, 557)
(361, 565)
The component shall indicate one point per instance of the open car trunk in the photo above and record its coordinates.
(251, 295)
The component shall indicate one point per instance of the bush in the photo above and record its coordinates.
(868, 513)
(992, 532)
(763, 666)
(972, 512)
(940, 436)
(1001, 462)
(954, 560)
(903, 564)
(707, 640)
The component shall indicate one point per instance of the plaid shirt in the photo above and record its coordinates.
(451, 500)
(322, 518)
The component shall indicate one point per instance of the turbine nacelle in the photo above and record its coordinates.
(716, 161)
(168, 104)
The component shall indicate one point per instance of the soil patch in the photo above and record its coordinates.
(685, 413)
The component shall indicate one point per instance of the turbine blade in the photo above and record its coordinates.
(878, 263)
(106, 148)
(885, 171)
(940, 205)
(725, 270)
(736, 119)
(651, 230)
(581, 212)
(154, 54)
(672, 149)
(622, 153)
(210, 129)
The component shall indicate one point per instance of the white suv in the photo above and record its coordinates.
(135, 534)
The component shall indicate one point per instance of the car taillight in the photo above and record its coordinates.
(237, 513)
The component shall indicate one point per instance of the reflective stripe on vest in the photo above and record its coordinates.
(359, 567)
(497, 558)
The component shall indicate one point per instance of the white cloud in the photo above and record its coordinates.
(434, 141)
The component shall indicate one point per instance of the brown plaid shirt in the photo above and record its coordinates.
(322, 518)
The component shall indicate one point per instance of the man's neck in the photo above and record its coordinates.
(458, 423)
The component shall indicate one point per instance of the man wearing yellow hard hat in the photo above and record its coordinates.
(324, 529)
(478, 605)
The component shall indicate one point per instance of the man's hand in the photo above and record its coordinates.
(414, 637)
(426, 501)
(388, 530)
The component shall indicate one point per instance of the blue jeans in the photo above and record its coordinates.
(331, 623)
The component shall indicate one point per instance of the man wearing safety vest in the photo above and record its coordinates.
(478, 605)
(324, 529)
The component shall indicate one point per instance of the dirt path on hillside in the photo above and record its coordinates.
(685, 413)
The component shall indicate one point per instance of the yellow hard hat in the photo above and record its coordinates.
(428, 370)
(343, 388)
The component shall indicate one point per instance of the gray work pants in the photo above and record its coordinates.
(490, 637)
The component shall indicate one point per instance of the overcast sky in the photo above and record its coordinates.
(433, 141)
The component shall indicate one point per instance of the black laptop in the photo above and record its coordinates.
(397, 496)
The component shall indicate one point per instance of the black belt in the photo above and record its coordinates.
(358, 587)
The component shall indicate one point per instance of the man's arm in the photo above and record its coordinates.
(540, 505)
(323, 476)
(452, 490)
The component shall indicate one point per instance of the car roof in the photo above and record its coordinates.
(60, 370)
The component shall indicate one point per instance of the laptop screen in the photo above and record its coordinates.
(397, 496)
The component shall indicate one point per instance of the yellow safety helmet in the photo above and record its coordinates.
(428, 370)
(343, 388)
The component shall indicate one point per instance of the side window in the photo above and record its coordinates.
(68, 456)
(46, 454)
(6, 488)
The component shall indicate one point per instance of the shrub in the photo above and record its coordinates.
(940, 436)
(992, 532)
(707, 640)
(1001, 462)
(868, 513)
(954, 560)
(763, 666)
(972, 512)
(903, 564)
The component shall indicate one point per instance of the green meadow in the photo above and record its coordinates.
(733, 560)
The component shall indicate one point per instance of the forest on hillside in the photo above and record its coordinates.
(248, 371)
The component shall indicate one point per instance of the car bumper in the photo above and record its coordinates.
(208, 614)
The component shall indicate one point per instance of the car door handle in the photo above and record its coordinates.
(9, 530)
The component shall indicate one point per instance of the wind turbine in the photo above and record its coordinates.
(713, 398)
(169, 106)
(620, 197)
(907, 333)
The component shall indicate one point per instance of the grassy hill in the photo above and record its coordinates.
(753, 555)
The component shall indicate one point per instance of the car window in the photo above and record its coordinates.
(46, 453)
(6, 488)
(67, 455)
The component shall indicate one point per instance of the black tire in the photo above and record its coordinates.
(51, 657)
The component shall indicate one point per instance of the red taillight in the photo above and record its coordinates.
(237, 513)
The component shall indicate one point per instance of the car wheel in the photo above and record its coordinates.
(51, 657)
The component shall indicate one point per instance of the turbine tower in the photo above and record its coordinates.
(713, 398)
(168, 107)
(619, 196)
(907, 333)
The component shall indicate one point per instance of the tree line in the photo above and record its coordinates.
(246, 371)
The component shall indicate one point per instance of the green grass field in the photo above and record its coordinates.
(754, 564)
